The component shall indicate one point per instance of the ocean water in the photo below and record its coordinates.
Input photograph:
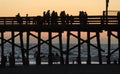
(72, 54)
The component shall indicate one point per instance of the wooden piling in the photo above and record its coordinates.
(2, 44)
(50, 55)
(22, 48)
(99, 47)
(109, 47)
(79, 48)
(13, 49)
(88, 48)
(61, 48)
(39, 48)
(118, 47)
(68, 46)
(27, 47)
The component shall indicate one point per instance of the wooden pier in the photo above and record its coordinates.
(94, 24)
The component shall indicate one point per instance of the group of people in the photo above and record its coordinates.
(52, 18)
(54, 58)
(4, 60)
(83, 17)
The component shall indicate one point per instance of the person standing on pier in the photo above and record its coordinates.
(27, 20)
(63, 17)
(44, 17)
(19, 19)
(54, 18)
(39, 20)
(83, 18)
(71, 18)
(47, 16)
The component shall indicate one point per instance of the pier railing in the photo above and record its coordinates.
(91, 20)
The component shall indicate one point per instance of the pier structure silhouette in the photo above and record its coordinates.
(93, 24)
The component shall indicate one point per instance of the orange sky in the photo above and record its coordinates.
(36, 7)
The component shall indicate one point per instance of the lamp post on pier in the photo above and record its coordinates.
(107, 4)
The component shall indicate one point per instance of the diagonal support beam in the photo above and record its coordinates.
(84, 41)
(10, 38)
(44, 41)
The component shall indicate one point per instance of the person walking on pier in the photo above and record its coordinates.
(19, 19)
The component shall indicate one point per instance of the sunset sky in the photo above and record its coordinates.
(36, 7)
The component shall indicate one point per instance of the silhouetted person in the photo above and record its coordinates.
(26, 61)
(44, 17)
(54, 18)
(47, 17)
(56, 58)
(19, 18)
(11, 60)
(77, 60)
(71, 19)
(61, 60)
(83, 18)
(63, 17)
(67, 19)
(39, 20)
(35, 20)
(27, 19)
(51, 58)
(115, 61)
(3, 61)
(37, 57)
(118, 16)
